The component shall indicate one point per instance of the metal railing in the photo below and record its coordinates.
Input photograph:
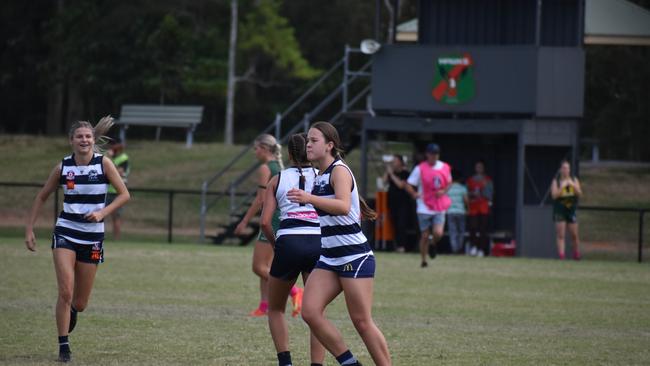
(170, 193)
(640, 211)
(348, 77)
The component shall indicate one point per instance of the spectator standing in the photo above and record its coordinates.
(456, 213)
(481, 189)
(432, 178)
(566, 190)
(121, 160)
(399, 201)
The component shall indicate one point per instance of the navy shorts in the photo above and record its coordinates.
(363, 267)
(294, 254)
(86, 253)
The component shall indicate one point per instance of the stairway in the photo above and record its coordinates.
(241, 192)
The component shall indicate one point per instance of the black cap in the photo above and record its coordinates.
(433, 148)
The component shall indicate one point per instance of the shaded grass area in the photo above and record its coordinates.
(186, 304)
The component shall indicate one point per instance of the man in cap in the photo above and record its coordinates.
(432, 178)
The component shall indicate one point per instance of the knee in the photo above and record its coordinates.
(310, 315)
(79, 305)
(65, 295)
(260, 269)
(362, 324)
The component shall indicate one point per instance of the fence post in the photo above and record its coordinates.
(305, 122)
(278, 124)
(170, 216)
(344, 83)
(641, 214)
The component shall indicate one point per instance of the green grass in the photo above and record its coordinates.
(186, 304)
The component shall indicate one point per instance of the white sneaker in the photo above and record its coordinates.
(473, 252)
(480, 254)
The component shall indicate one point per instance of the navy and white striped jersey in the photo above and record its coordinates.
(341, 238)
(295, 218)
(84, 191)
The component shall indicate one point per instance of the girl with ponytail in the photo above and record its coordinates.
(77, 243)
(346, 263)
(269, 153)
(296, 244)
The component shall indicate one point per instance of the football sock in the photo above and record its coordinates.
(346, 358)
(316, 364)
(64, 344)
(284, 358)
(264, 306)
(73, 319)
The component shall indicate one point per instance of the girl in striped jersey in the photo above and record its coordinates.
(346, 263)
(296, 244)
(79, 232)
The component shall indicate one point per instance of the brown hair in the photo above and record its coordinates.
(332, 135)
(297, 147)
(99, 132)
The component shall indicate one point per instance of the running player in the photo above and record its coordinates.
(565, 190)
(297, 245)
(77, 242)
(346, 263)
(432, 178)
(269, 153)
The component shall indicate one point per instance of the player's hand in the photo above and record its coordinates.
(440, 193)
(30, 240)
(296, 195)
(96, 216)
(241, 227)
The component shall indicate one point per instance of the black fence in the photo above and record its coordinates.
(171, 194)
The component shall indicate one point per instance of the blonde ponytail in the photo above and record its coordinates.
(278, 155)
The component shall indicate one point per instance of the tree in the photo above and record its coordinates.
(268, 43)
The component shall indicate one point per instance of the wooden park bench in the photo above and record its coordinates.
(161, 116)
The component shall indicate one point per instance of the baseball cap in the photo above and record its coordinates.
(433, 148)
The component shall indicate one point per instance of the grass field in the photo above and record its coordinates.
(186, 304)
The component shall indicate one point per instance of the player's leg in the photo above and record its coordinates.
(358, 298)
(262, 259)
(316, 349)
(83, 285)
(425, 224)
(560, 228)
(278, 290)
(472, 221)
(64, 263)
(573, 231)
(321, 288)
(438, 232)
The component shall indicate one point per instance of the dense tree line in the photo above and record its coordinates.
(63, 60)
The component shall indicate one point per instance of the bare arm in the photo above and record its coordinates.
(339, 205)
(398, 182)
(269, 207)
(411, 190)
(577, 187)
(263, 175)
(555, 190)
(466, 201)
(50, 186)
(122, 197)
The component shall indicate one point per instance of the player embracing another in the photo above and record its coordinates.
(346, 262)
(296, 244)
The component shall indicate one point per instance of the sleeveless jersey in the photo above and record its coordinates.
(434, 179)
(295, 218)
(341, 238)
(567, 198)
(84, 191)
